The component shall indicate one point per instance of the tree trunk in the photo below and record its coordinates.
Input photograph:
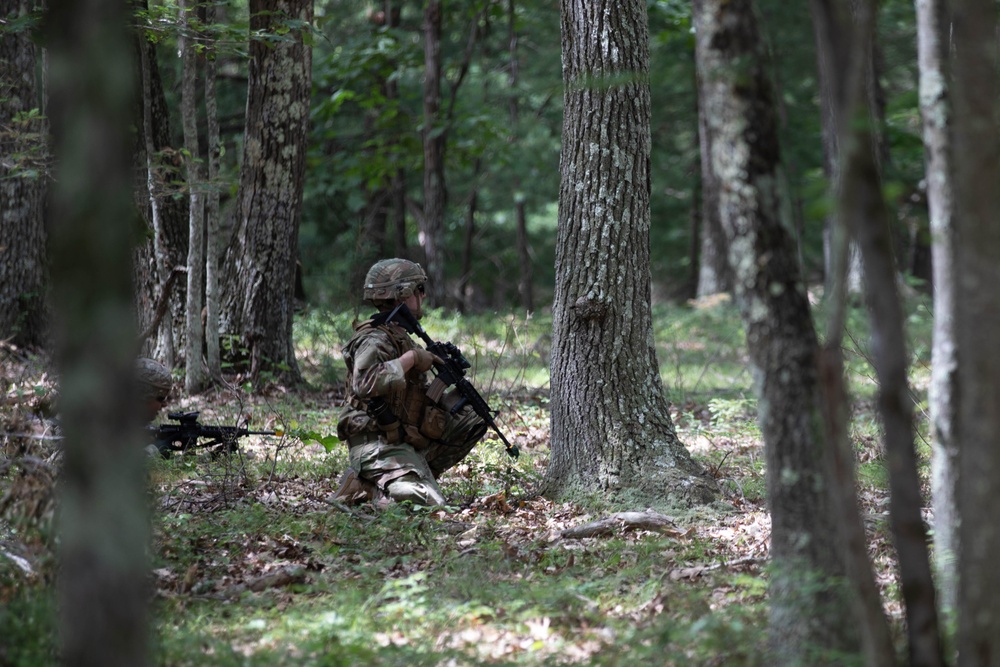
(976, 137)
(525, 283)
(23, 175)
(831, 21)
(611, 427)
(935, 108)
(435, 136)
(102, 522)
(165, 212)
(194, 369)
(864, 211)
(810, 608)
(714, 274)
(212, 222)
(259, 270)
(465, 281)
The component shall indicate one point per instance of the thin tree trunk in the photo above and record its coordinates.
(464, 286)
(714, 274)
(435, 142)
(525, 284)
(102, 521)
(194, 375)
(213, 234)
(935, 108)
(864, 210)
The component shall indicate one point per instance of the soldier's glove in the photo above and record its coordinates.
(424, 360)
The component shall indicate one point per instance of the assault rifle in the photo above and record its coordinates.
(189, 434)
(451, 370)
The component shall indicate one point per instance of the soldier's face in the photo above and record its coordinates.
(415, 302)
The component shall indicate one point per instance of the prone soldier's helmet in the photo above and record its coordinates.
(393, 280)
(153, 378)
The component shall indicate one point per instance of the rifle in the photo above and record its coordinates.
(186, 434)
(451, 370)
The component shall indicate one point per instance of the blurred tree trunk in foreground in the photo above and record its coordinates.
(611, 426)
(812, 609)
(23, 174)
(259, 270)
(863, 210)
(102, 520)
(976, 136)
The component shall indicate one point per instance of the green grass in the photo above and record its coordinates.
(485, 581)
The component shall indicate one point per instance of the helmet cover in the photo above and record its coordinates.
(392, 280)
(153, 378)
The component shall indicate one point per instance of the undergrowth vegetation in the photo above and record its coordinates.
(252, 564)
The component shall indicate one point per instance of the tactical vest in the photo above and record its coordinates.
(407, 403)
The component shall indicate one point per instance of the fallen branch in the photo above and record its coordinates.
(698, 570)
(623, 521)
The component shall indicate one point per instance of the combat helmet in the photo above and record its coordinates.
(153, 378)
(392, 280)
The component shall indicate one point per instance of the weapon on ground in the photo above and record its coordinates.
(188, 433)
(451, 370)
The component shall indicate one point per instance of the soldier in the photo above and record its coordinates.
(399, 455)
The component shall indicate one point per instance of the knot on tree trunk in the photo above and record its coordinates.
(589, 308)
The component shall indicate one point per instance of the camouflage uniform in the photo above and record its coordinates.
(402, 460)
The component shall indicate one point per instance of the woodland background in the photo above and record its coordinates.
(216, 178)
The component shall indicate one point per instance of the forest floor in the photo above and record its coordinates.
(251, 564)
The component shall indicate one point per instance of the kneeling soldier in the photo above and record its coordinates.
(400, 439)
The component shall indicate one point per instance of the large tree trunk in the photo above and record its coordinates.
(435, 141)
(611, 429)
(260, 264)
(102, 522)
(23, 269)
(810, 607)
(976, 136)
(166, 214)
(935, 108)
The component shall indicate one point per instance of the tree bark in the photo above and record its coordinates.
(935, 109)
(194, 369)
(24, 316)
(525, 283)
(611, 428)
(435, 142)
(810, 605)
(102, 522)
(864, 210)
(166, 215)
(976, 136)
(714, 274)
(259, 272)
(212, 223)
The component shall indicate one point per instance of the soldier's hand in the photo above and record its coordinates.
(423, 360)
